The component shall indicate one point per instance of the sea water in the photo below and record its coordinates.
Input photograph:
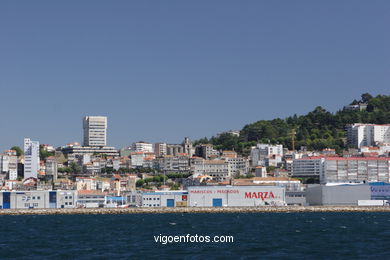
(256, 236)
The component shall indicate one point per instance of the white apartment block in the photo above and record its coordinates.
(142, 147)
(31, 158)
(344, 169)
(266, 155)
(9, 164)
(238, 166)
(359, 135)
(217, 169)
(308, 167)
(160, 149)
(356, 169)
(174, 163)
(95, 131)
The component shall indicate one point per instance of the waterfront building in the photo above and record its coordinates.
(235, 196)
(165, 199)
(38, 199)
(347, 194)
(95, 131)
(90, 199)
(31, 158)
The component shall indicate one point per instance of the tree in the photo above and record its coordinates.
(75, 168)
(366, 97)
(18, 150)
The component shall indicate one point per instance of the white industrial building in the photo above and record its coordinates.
(359, 135)
(235, 196)
(31, 158)
(165, 199)
(37, 199)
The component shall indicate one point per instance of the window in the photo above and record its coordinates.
(35, 204)
(66, 197)
(70, 203)
(33, 197)
(27, 205)
(38, 198)
(66, 203)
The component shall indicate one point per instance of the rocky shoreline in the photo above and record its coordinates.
(264, 209)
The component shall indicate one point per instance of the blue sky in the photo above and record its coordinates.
(162, 70)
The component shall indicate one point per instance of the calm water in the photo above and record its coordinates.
(276, 235)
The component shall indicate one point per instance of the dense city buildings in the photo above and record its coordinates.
(95, 131)
(195, 174)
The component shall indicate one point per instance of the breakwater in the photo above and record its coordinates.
(264, 209)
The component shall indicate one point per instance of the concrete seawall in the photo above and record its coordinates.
(265, 209)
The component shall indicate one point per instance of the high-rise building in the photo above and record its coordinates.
(31, 158)
(95, 131)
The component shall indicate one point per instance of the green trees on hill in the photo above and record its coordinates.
(316, 130)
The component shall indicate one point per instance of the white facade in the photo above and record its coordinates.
(9, 164)
(165, 199)
(95, 131)
(368, 134)
(142, 147)
(235, 196)
(31, 158)
(238, 166)
(266, 155)
(218, 169)
(344, 170)
(308, 167)
(160, 149)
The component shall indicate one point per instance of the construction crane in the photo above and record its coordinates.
(292, 134)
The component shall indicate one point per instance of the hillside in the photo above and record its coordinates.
(316, 130)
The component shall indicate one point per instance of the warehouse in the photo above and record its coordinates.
(346, 194)
(235, 196)
(37, 199)
(165, 199)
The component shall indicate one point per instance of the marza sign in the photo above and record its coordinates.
(263, 195)
(260, 195)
